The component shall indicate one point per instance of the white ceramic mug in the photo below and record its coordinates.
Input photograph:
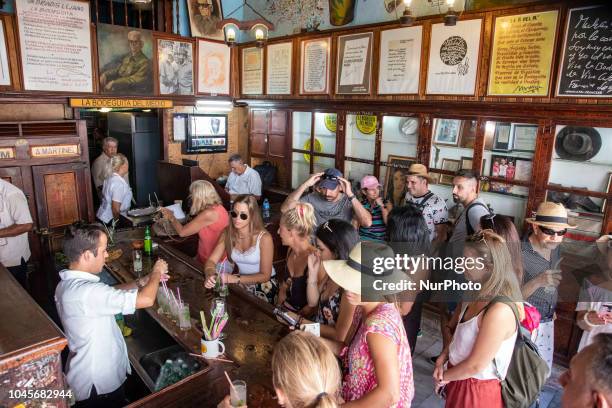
(212, 348)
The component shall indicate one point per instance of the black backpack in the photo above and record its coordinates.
(267, 172)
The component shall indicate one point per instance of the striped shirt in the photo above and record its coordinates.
(543, 299)
(378, 229)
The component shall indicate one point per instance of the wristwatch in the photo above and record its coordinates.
(350, 198)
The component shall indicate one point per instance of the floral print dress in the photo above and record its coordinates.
(359, 372)
(329, 308)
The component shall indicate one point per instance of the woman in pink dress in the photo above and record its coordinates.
(210, 218)
(377, 362)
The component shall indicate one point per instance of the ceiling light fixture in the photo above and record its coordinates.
(450, 19)
(407, 19)
(259, 27)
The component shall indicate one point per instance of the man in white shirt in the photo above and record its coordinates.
(99, 168)
(15, 223)
(98, 361)
(242, 179)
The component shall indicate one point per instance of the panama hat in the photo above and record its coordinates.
(417, 169)
(359, 273)
(551, 215)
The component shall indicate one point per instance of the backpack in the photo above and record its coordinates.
(421, 206)
(470, 230)
(267, 172)
(527, 371)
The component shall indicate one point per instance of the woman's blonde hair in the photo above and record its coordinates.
(494, 254)
(306, 371)
(203, 195)
(300, 218)
(114, 164)
(256, 224)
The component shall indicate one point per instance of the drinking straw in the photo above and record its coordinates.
(230, 382)
(178, 292)
(204, 328)
(211, 358)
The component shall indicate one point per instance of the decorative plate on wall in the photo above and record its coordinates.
(366, 124)
(408, 126)
(330, 120)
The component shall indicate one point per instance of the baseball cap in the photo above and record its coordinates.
(329, 179)
(369, 182)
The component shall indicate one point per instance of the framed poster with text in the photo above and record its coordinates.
(279, 68)
(252, 71)
(314, 66)
(400, 60)
(453, 58)
(521, 58)
(55, 45)
(354, 67)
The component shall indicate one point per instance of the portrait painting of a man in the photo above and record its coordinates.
(204, 16)
(214, 68)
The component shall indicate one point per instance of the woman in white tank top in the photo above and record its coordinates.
(250, 246)
(471, 368)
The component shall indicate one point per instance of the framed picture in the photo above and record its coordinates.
(400, 60)
(467, 163)
(502, 140)
(55, 46)
(174, 67)
(314, 66)
(354, 67)
(453, 58)
(5, 72)
(279, 68)
(125, 57)
(524, 136)
(203, 18)
(214, 64)
(395, 178)
(252, 71)
(451, 165)
(468, 133)
(511, 168)
(447, 131)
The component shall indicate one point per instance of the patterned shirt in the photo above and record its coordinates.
(359, 372)
(378, 229)
(435, 211)
(543, 299)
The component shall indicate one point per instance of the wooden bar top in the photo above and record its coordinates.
(251, 333)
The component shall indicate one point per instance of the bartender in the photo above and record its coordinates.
(116, 193)
(15, 223)
(242, 179)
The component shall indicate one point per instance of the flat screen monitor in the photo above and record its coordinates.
(206, 134)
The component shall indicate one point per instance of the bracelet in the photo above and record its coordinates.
(586, 319)
(350, 198)
(313, 283)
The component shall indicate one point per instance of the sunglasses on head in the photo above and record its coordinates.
(329, 177)
(243, 216)
(551, 232)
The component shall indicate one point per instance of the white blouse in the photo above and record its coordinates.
(115, 189)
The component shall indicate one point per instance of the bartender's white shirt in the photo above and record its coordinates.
(115, 189)
(98, 354)
(13, 210)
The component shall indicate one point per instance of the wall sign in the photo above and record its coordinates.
(278, 72)
(453, 58)
(120, 103)
(55, 151)
(55, 45)
(314, 66)
(354, 64)
(7, 153)
(252, 71)
(586, 64)
(522, 54)
(400, 60)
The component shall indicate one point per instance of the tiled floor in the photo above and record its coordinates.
(430, 344)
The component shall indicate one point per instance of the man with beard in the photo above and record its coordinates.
(332, 198)
(465, 192)
(541, 258)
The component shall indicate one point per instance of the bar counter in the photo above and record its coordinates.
(251, 333)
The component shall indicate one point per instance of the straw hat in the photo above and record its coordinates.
(358, 274)
(604, 244)
(417, 169)
(551, 215)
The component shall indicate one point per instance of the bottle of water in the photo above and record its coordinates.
(266, 210)
(164, 373)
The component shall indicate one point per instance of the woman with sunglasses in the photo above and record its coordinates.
(334, 241)
(250, 246)
(295, 229)
(471, 367)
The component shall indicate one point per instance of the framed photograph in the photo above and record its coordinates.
(354, 67)
(125, 57)
(467, 163)
(400, 60)
(468, 133)
(174, 67)
(451, 165)
(314, 66)
(524, 136)
(511, 168)
(279, 68)
(395, 178)
(252, 71)
(502, 139)
(5, 72)
(447, 131)
(453, 58)
(203, 18)
(55, 45)
(214, 63)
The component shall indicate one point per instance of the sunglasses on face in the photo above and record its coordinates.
(243, 216)
(551, 232)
